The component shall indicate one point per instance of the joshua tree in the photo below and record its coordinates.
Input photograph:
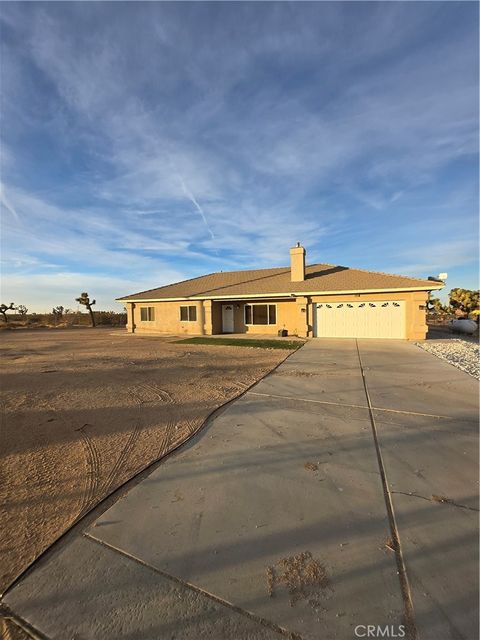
(22, 309)
(85, 300)
(464, 300)
(57, 314)
(436, 305)
(4, 308)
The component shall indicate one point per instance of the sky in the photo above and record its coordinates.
(147, 143)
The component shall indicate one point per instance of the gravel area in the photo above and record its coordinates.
(463, 354)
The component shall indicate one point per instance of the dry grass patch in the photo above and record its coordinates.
(301, 575)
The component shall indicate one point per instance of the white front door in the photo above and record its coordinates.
(366, 319)
(227, 318)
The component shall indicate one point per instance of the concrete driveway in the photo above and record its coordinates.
(339, 492)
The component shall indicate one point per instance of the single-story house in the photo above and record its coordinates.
(319, 300)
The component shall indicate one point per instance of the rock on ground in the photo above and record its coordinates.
(463, 354)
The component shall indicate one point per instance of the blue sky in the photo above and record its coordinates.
(144, 143)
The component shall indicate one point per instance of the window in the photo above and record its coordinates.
(188, 314)
(260, 314)
(147, 314)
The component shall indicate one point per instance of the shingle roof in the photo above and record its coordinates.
(319, 278)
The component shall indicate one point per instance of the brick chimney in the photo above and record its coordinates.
(297, 263)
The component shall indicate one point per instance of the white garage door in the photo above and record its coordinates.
(359, 319)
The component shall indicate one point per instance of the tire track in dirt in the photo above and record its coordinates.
(161, 394)
(190, 426)
(145, 392)
(93, 473)
(140, 393)
(167, 437)
(122, 459)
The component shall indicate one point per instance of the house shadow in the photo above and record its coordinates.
(325, 272)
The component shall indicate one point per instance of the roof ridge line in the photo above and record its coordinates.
(384, 273)
(244, 270)
(283, 270)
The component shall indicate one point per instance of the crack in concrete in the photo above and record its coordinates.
(436, 500)
(187, 585)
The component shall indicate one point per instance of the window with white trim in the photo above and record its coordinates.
(147, 314)
(260, 314)
(188, 314)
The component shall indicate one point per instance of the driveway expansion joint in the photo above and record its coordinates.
(350, 406)
(187, 585)
(409, 611)
(294, 399)
(436, 500)
(21, 623)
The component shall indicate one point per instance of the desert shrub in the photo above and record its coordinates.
(439, 319)
(74, 318)
(68, 319)
(110, 318)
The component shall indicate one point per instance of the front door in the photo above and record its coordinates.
(227, 318)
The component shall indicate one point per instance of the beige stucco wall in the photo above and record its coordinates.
(296, 315)
(209, 318)
(130, 306)
(167, 318)
(216, 318)
(288, 317)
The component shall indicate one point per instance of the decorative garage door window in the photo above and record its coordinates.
(360, 306)
(147, 314)
(188, 314)
(260, 314)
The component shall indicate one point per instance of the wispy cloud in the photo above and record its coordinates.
(345, 126)
(192, 199)
(437, 257)
(6, 204)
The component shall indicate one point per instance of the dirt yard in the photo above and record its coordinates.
(84, 410)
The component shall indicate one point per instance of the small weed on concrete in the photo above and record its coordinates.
(301, 575)
(389, 544)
